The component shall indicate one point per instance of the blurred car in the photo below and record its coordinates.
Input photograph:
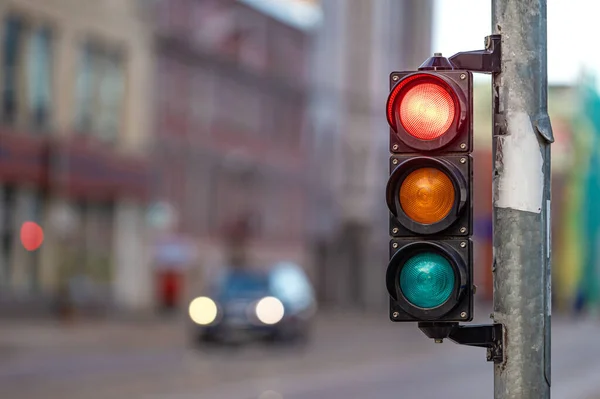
(274, 305)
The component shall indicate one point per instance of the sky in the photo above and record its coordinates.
(302, 14)
(461, 25)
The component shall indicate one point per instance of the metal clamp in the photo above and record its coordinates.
(485, 336)
(485, 61)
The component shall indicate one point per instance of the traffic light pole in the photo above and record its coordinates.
(521, 193)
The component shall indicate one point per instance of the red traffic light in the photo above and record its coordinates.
(428, 110)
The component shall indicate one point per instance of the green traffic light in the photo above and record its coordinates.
(427, 280)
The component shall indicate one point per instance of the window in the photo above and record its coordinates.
(197, 195)
(201, 103)
(239, 106)
(253, 46)
(285, 58)
(269, 112)
(100, 90)
(297, 201)
(174, 101)
(99, 243)
(282, 123)
(270, 209)
(295, 124)
(39, 77)
(83, 95)
(229, 200)
(244, 283)
(282, 119)
(110, 95)
(7, 231)
(162, 103)
(26, 67)
(12, 37)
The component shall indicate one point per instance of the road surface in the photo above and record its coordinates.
(351, 357)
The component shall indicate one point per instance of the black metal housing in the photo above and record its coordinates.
(449, 237)
(459, 307)
(458, 138)
(485, 61)
(459, 222)
(436, 63)
(488, 336)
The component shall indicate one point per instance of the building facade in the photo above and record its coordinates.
(229, 127)
(73, 150)
(358, 44)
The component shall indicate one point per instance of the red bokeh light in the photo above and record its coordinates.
(427, 111)
(32, 236)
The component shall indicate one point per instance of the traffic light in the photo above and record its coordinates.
(429, 193)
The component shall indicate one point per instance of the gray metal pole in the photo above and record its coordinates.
(521, 195)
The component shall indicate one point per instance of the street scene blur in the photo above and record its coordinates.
(192, 199)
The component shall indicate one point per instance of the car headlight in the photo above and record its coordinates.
(203, 310)
(269, 310)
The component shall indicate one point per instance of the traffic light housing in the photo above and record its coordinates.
(429, 194)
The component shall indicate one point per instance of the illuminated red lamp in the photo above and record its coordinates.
(32, 236)
(427, 111)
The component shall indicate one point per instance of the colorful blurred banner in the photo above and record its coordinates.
(576, 272)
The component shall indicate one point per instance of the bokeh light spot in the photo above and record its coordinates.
(32, 236)
(203, 310)
(270, 310)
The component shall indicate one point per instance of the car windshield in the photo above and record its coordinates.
(244, 283)
(289, 284)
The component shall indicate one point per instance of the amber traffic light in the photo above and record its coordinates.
(426, 195)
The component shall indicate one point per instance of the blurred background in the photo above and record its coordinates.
(165, 162)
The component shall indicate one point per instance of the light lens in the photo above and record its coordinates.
(269, 310)
(427, 195)
(203, 310)
(427, 280)
(427, 111)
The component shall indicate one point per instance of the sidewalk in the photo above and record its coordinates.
(332, 330)
(47, 336)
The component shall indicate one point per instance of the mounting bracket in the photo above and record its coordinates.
(485, 336)
(485, 61)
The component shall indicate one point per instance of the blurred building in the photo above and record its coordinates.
(231, 83)
(73, 134)
(358, 44)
